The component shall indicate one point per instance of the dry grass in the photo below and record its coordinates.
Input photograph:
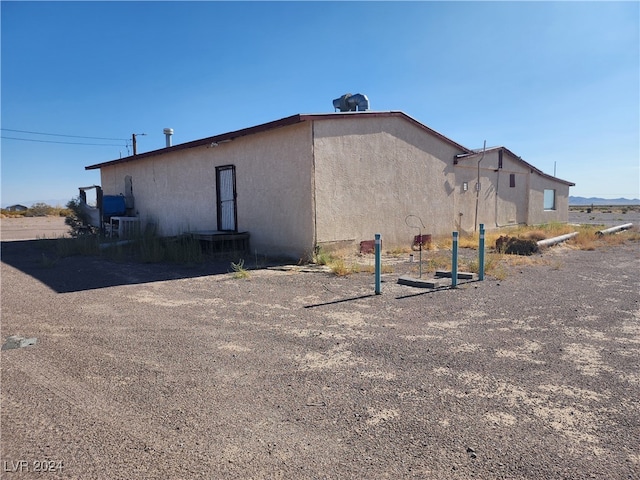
(437, 255)
(439, 261)
(399, 251)
(384, 268)
(239, 271)
(339, 266)
(498, 264)
(587, 238)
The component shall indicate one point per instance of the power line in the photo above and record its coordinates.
(66, 143)
(60, 135)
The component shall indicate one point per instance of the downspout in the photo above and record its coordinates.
(313, 187)
(497, 216)
(495, 213)
(528, 197)
(475, 223)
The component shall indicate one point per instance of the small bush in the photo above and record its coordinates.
(39, 210)
(239, 270)
(77, 221)
(339, 268)
(323, 258)
(516, 246)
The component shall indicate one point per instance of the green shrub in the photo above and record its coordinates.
(39, 210)
(77, 220)
(239, 270)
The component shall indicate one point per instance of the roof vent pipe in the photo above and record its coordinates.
(167, 134)
(351, 103)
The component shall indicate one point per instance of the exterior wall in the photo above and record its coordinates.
(498, 203)
(371, 173)
(337, 180)
(537, 214)
(177, 190)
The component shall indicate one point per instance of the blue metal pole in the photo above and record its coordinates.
(378, 245)
(454, 260)
(481, 254)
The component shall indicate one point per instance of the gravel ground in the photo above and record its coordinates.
(607, 217)
(29, 228)
(157, 372)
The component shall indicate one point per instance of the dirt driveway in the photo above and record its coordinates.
(29, 228)
(163, 372)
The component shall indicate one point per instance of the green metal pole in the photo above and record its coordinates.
(481, 254)
(378, 245)
(454, 260)
(420, 266)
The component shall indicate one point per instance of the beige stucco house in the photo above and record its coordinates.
(309, 181)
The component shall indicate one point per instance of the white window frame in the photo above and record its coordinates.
(549, 199)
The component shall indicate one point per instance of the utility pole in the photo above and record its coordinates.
(133, 141)
(475, 223)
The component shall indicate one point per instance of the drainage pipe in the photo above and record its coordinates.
(626, 226)
(552, 241)
(119, 243)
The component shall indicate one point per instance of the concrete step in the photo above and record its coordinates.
(461, 275)
(424, 282)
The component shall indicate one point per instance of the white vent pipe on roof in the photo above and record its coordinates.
(167, 134)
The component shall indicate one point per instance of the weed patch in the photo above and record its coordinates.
(239, 271)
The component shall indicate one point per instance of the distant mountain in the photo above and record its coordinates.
(603, 201)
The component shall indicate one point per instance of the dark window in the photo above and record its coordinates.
(512, 180)
(500, 159)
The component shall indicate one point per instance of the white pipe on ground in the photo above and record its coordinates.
(119, 243)
(626, 226)
(552, 241)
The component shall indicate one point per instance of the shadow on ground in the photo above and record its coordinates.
(79, 273)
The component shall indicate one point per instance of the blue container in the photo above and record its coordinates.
(113, 206)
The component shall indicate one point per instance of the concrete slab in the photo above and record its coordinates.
(423, 282)
(16, 341)
(461, 275)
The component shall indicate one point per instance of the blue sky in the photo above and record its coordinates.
(558, 83)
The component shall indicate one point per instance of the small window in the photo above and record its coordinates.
(500, 159)
(465, 186)
(549, 199)
(512, 180)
